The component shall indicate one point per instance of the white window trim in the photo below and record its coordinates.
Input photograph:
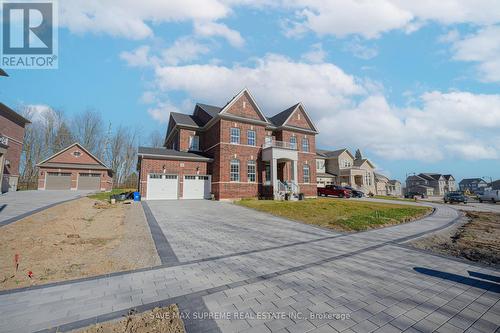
(254, 164)
(231, 136)
(254, 138)
(237, 163)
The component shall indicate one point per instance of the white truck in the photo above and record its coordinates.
(490, 195)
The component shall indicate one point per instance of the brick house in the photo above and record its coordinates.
(74, 168)
(232, 152)
(11, 145)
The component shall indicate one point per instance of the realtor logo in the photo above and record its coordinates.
(29, 31)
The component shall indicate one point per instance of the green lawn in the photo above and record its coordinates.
(106, 195)
(340, 214)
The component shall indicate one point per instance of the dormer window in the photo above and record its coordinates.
(77, 153)
(194, 143)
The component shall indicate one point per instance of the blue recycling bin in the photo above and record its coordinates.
(137, 196)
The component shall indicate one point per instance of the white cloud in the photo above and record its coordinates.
(315, 55)
(210, 29)
(370, 19)
(359, 50)
(161, 112)
(39, 113)
(131, 18)
(457, 124)
(184, 50)
(482, 47)
(138, 58)
(275, 80)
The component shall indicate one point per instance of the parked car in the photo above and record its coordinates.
(452, 197)
(355, 193)
(490, 195)
(411, 195)
(337, 191)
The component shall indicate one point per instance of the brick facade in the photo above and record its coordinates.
(180, 168)
(12, 128)
(215, 143)
(75, 160)
(106, 183)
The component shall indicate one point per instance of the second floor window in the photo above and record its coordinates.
(293, 142)
(194, 143)
(235, 135)
(252, 171)
(305, 144)
(251, 138)
(235, 170)
(307, 175)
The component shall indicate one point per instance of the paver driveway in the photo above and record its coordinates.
(16, 205)
(228, 260)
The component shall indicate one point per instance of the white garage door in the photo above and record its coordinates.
(196, 187)
(162, 187)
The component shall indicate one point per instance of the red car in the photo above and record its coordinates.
(337, 191)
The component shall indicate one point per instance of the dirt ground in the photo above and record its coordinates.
(161, 320)
(76, 239)
(476, 239)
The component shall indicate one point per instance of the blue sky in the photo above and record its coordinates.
(416, 87)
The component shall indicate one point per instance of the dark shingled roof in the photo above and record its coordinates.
(280, 118)
(210, 109)
(3, 73)
(12, 115)
(330, 153)
(169, 153)
(467, 181)
(186, 119)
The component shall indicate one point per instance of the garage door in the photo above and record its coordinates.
(162, 187)
(89, 181)
(58, 181)
(196, 187)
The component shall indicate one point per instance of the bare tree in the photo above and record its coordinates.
(122, 153)
(89, 132)
(156, 139)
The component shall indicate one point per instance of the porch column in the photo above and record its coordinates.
(295, 172)
(274, 176)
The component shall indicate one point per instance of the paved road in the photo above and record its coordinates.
(16, 205)
(228, 259)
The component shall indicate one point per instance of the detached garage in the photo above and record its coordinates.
(166, 174)
(74, 168)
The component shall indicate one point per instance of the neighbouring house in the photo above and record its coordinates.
(494, 185)
(323, 177)
(358, 173)
(423, 182)
(473, 185)
(450, 183)
(232, 152)
(74, 168)
(394, 188)
(12, 127)
(381, 184)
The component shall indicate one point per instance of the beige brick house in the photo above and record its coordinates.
(231, 152)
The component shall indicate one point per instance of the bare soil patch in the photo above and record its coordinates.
(164, 320)
(476, 239)
(76, 239)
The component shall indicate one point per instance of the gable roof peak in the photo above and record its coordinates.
(71, 146)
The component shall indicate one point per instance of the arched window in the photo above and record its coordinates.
(305, 144)
(293, 142)
(251, 171)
